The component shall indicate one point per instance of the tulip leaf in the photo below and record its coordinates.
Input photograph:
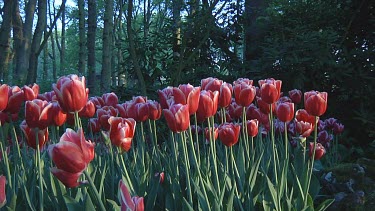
(31, 206)
(187, 205)
(273, 192)
(88, 203)
(201, 198)
(325, 204)
(13, 202)
(229, 204)
(72, 204)
(113, 205)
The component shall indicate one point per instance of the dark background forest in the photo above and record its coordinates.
(137, 47)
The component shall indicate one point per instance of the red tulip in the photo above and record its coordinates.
(235, 110)
(270, 90)
(244, 93)
(127, 202)
(4, 90)
(208, 103)
(161, 176)
(15, 100)
(302, 115)
(295, 95)
(211, 84)
(178, 117)
(265, 107)
(88, 111)
(31, 92)
(285, 111)
(252, 112)
(104, 114)
(47, 96)
(208, 134)
(3, 197)
(122, 132)
(319, 151)
(71, 156)
(58, 116)
(154, 110)
(303, 128)
(38, 113)
(225, 95)
(316, 103)
(191, 96)
(252, 127)
(110, 99)
(71, 93)
(229, 133)
(169, 96)
(98, 102)
(284, 99)
(4, 117)
(138, 111)
(30, 134)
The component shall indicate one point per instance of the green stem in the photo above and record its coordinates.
(213, 153)
(187, 167)
(100, 202)
(39, 167)
(312, 160)
(197, 137)
(273, 145)
(126, 172)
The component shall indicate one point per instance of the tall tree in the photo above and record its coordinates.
(91, 35)
(5, 38)
(107, 47)
(82, 45)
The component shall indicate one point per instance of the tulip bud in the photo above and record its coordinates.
(319, 151)
(315, 102)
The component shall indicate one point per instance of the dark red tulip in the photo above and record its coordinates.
(98, 102)
(31, 92)
(47, 96)
(4, 90)
(235, 110)
(208, 103)
(94, 125)
(265, 107)
(154, 110)
(244, 93)
(208, 134)
(319, 151)
(138, 111)
(15, 100)
(30, 134)
(191, 96)
(178, 117)
(211, 84)
(104, 114)
(315, 102)
(88, 111)
(252, 112)
(71, 92)
(57, 114)
(122, 132)
(229, 133)
(285, 111)
(3, 197)
(38, 113)
(295, 95)
(110, 99)
(135, 203)
(4, 117)
(165, 96)
(270, 90)
(71, 156)
(225, 95)
(252, 127)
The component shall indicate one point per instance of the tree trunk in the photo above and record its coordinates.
(107, 47)
(91, 35)
(133, 54)
(35, 45)
(62, 46)
(177, 52)
(22, 38)
(53, 49)
(82, 44)
(5, 50)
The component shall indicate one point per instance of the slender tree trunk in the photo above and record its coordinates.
(91, 35)
(118, 36)
(176, 8)
(22, 38)
(133, 54)
(107, 47)
(5, 50)
(62, 46)
(82, 44)
(53, 48)
(35, 45)
(45, 55)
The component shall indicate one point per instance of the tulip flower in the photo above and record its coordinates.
(252, 127)
(31, 92)
(122, 132)
(154, 110)
(303, 128)
(235, 110)
(38, 113)
(98, 102)
(244, 93)
(47, 96)
(88, 111)
(243, 81)
(208, 134)
(127, 202)
(71, 92)
(285, 111)
(319, 151)
(30, 134)
(3, 197)
(161, 176)
(315, 102)
(302, 115)
(338, 128)
(178, 117)
(208, 103)
(325, 138)
(15, 99)
(4, 90)
(229, 133)
(138, 111)
(168, 96)
(225, 95)
(4, 117)
(57, 115)
(110, 99)
(71, 156)
(330, 123)
(264, 107)
(104, 114)
(270, 90)
(211, 84)
(295, 95)
(191, 94)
